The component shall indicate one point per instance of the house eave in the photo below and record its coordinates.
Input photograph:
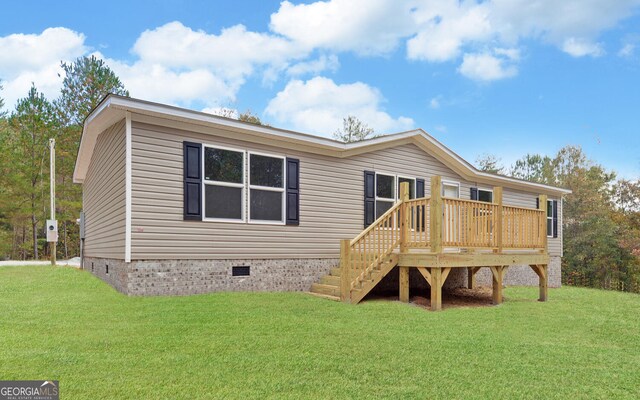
(113, 108)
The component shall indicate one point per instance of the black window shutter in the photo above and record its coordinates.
(419, 188)
(293, 191)
(555, 218)
(538, 203)
(192, 165)
(369, 198)
(474, 193)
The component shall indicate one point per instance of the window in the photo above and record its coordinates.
(550, 231)
(451, 189)
(485, 195)
(412, 186)
(223, 184)
(388, 191)
(385, 193)
(266, 188)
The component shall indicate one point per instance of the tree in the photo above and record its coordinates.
(86, 81)
(3, 113)
(626, 196)
(489, 163)
(534, 168)
(353, 130)
(246, 116)
(32, 124)
(249, 117)
(599, 242)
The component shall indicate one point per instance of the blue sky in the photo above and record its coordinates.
(500, 77)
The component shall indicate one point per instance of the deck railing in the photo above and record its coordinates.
(523, 228)
(438, 222)
(418, 229)
(371, 246)
(469, 223)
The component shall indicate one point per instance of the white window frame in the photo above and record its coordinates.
(398, 185)
(453, 183)
(227, 184)
(485, 190)
(550, 232)
(375, 188)
(267, 188)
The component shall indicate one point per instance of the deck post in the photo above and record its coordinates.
(542, 205)
(497, 199)
(405, 217)
(436, 215)
(471, 277)
(544, 282)
(436, 289)
(404, 284)
(498, 274)
(542, 270)
(345, 270)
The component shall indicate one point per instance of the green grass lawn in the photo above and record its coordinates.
(64, 324)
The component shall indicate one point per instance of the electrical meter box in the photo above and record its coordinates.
(52, 230)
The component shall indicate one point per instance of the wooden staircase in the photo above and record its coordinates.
(329, 285)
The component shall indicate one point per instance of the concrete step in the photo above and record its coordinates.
(325, 296)
(320, 288)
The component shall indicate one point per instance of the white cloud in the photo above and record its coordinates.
(580, 48)
(435, 103)
(181, 66)
(27, 58)
(446, 26)
(234, 53)
(482, 35)
(156, 82)
(627, 50)
(319, 105)
(443, 30)
(323, 63)
(20, 52)
(362, 26)
(486, 67)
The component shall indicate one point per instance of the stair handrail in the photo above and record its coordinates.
(361, 255)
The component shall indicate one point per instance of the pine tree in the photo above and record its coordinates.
(353, 130)
(86, 82)
(30, 126)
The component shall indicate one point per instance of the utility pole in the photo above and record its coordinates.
(52, 226)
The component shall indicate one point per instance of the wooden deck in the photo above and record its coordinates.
(436, 234)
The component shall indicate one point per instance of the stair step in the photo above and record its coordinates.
(330, 280)
(325, 296)
(321, 288)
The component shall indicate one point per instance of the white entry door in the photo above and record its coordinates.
(451, 212)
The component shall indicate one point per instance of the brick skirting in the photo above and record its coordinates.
(184, 277)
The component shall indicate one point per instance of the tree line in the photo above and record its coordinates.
(601, 217)
(24, 167)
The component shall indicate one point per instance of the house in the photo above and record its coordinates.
(180, 202)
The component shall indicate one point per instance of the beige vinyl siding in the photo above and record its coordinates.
(331, 199)
(104, 196)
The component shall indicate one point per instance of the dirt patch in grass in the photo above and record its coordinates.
(451, 298)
